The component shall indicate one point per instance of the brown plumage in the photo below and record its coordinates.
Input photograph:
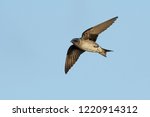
(72, 56)
(90, 35)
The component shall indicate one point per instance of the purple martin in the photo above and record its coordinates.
(87, 42)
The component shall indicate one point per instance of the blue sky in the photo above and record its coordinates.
(35, 36)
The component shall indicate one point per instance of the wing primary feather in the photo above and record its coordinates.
(93, 32)
(72, 56)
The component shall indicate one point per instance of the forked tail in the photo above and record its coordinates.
(104, 52)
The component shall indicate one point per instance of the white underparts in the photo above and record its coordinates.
(90, 46)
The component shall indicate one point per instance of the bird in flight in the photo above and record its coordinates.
(87, 42)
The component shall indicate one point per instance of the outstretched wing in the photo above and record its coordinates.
(72, 56)
(93, 32)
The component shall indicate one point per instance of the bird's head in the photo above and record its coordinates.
(75, 41)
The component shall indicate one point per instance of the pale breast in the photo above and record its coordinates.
(88, 45)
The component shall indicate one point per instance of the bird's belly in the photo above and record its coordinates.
(90, 47)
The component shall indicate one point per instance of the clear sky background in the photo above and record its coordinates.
(35, 36)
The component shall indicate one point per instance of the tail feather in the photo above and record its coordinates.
(104, 51)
